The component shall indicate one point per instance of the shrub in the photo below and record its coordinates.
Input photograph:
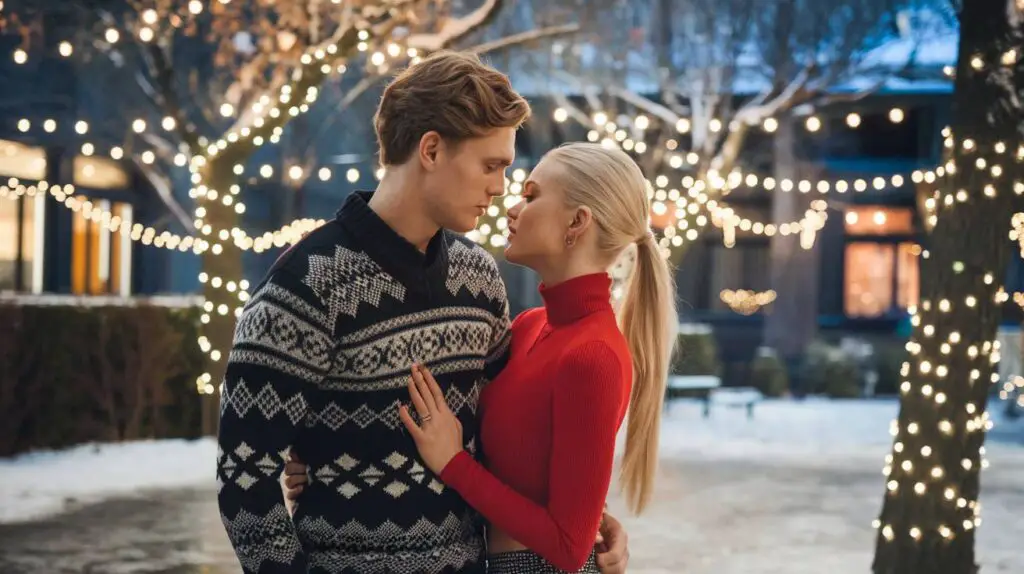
(696, 352)
(828, 370)
(889, 361)
(768, 374)
(75, 374)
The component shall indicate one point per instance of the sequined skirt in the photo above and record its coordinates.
(529, 562)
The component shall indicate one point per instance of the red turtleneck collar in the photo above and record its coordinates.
(576, 298)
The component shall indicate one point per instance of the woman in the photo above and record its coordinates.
(550, 419)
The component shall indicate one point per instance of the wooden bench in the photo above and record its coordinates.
(708, 389)
(692, 386)
(733, 397)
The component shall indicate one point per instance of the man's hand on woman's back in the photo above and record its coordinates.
(293, 480)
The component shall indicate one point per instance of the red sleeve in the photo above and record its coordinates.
(586, 411)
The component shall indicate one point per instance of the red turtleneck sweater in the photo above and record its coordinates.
(549, 423)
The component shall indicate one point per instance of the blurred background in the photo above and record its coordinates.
(822, 176)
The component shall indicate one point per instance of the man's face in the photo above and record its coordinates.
(465, 178)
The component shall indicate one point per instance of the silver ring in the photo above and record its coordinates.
(426, 418)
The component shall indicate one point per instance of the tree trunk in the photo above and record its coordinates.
(928, 519)
(793, 320)
(222, 270)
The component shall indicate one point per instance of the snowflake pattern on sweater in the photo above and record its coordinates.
(320, 363)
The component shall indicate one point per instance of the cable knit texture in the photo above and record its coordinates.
(320, 361)
(549, 424)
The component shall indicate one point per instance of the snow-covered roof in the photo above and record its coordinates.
(929, 36)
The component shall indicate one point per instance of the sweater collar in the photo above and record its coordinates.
(576, 298)
(395, 255)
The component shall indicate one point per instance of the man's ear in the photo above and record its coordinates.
(430, 148)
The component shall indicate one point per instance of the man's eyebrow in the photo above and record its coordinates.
(502, 160)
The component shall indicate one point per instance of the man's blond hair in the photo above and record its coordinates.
(452, 93)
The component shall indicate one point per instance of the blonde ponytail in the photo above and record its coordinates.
(609, 182)
(647, 317)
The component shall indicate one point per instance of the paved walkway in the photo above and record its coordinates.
(709, 517)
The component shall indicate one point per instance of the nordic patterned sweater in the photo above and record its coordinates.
(320, 362)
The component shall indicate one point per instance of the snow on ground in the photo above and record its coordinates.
(41, 484)
(794, 491)
(818, 433)
(780, 430)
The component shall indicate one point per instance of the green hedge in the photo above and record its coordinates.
(768, 374)
(75, 374)
(888, 362)
(696, 352)
(829, 371)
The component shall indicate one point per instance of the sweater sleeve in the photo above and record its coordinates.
(280, 355)
(586, 411)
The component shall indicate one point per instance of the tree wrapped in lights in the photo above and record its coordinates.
(717, 120)
(211, 81)
(930, 512)
(704, 54)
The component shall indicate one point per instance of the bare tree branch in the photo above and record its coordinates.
(523, 37)
(455, 28)
(168, 96)
(755, 112)
(165, 191)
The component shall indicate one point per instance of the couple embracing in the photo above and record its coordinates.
(423, 431)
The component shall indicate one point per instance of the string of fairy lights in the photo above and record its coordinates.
(265, 125)
(690, 197)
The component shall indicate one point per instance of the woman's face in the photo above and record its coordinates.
(538, 224)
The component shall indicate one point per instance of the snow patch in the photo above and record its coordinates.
(812, 433)
(45, 483)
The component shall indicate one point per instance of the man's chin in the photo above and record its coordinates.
(463, 226)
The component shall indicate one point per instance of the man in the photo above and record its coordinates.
(323, 350)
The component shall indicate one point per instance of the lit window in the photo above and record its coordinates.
(21, 247)
(881, 278)
(100, 258)
(100, 173)
(21, 161)
(8, 244)
(878, 220)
